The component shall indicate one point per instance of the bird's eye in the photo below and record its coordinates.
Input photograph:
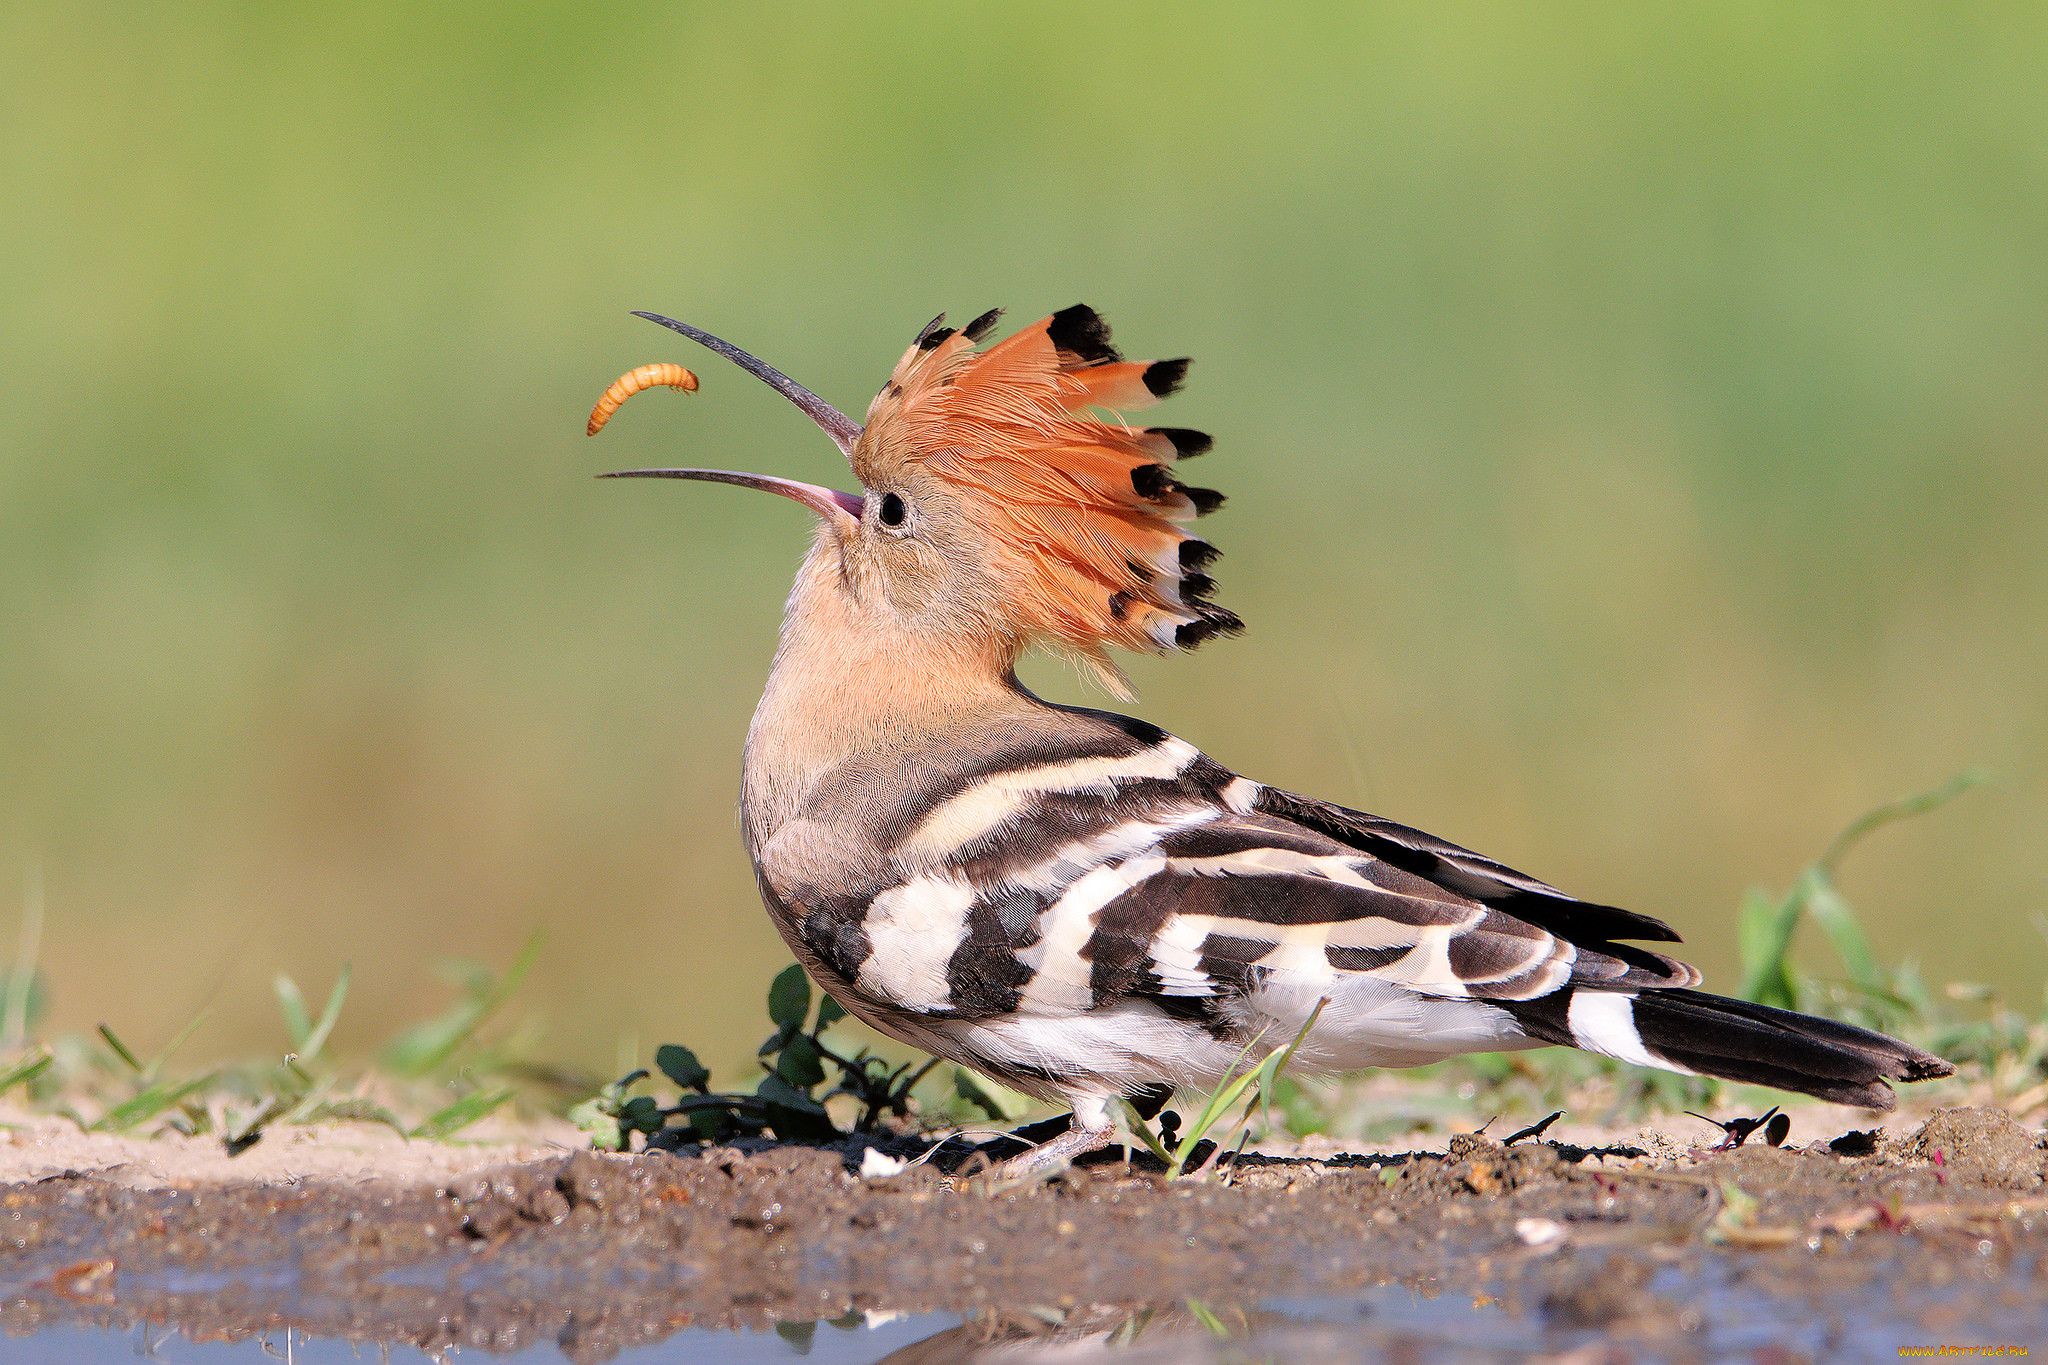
(892, 511)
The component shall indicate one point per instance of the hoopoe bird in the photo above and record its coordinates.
(1076, 903)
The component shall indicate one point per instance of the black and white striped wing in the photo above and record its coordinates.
(1142, 870)
(1229, 906)
(1082, 915)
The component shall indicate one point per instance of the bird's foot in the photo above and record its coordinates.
(1058, 1153)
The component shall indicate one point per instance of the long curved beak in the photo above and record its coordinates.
(826, 502)
(843, 430)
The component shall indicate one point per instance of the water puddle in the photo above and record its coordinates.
(1712, 1313)
(842, 1342)
(1484, 1255)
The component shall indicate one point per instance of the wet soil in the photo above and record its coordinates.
(1932, 1237)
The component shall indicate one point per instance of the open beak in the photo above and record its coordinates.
(826, 502)
(844, 431)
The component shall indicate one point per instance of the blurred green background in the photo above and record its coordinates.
(1633, 417)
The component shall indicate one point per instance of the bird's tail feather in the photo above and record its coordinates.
(1709, 1035)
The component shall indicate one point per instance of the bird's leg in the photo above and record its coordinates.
(1092, 1129)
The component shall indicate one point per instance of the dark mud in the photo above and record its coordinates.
(1934, 1238)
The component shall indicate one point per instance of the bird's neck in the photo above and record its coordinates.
(849, 681)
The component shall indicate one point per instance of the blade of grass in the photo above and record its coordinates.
(1276, 1062)
(151, 1102)
(355, 1109)
(1202, 1313)
(317, 1039)
(1902, 809)
(1764, 930)
(305, 1102)
(21, 979)
(1885, 996)
(421, 1049)
(447, 1122)
(1235, 1082)
(1139, 1125)
(1268, 1072)
(156, 1063)
(1221, 1098)
(292, 1005)
(27, 1069)
(120, 1049)
(1838, 921)
(1767, 927)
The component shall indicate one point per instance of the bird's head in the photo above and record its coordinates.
(997, 507)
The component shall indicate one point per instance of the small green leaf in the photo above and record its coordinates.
(793, 1114)
(800, 1063)
(680, 1065)
(830, 1012)
(789, 999)
(592, 1116)
(775, 1090)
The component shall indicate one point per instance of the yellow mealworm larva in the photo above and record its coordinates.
(626, 385)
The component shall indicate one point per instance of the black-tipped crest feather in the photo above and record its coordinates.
(1164, 377)
(1082, 331)
(1186, 444)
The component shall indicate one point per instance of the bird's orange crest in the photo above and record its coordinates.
(1084, 515)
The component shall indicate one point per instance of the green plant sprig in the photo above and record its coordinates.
(1766, 927)
(1227, 1093)
(793, 1060)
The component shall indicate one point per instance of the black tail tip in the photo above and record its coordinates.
(1927, 1067)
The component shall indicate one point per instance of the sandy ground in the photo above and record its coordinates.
(39, 1146)
(1932, 1234)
